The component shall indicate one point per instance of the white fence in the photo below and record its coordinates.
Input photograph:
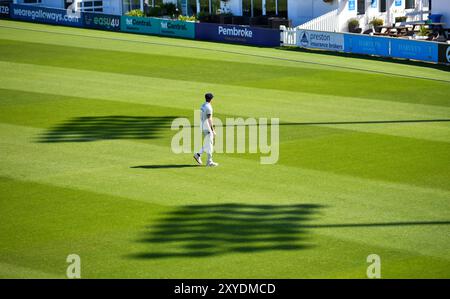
(327, 22)
(288, 36)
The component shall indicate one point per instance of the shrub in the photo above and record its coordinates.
(227, 14)
(170, 9)
(400, 19)
(187, 18)
(376, 22)
(423, 31)
(155, 11)
(135, 13)
(353, 24)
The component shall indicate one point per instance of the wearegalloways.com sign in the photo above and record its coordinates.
(46, 15)
(320, 40)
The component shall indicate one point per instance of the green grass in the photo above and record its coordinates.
(79, 173)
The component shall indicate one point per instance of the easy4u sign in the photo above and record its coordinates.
(101, 21)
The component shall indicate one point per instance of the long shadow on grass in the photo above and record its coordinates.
(92, 128)
(209, 230)
(163, 166)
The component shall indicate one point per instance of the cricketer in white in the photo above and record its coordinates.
(207, 127)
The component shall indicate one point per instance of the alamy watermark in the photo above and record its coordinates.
(74, 268)
(231, 136)
(374, 269)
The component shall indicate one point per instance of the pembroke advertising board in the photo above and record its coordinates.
(5, 10)
(101, 21)
(46, 15)
(238, 34)
(329, 41)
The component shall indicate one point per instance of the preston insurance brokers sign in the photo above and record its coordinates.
(320, 40)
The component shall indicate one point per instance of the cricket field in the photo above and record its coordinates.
(87, 166)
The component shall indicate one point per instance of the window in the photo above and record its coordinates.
(410, 4)
(204, 6)
(271, 7)
(192, 7)
(155, 2)
(247, 8)
(361, 7)
(130, 5)
(282, 8)
(254, 8)
(382, 5)
(257, 8)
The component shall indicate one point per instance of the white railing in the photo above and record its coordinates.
(417, 15)
(288, 36)
(89, 5)
(326, 22)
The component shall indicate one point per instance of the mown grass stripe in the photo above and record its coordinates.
(239, 53)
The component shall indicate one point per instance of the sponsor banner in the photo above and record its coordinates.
(238, 34)
(366, 44)
(444, 53)
(5, 10)
(351, 5)
(320, 40)
(46, 15)
(410, 49)
(177, 28)
(158, 26)
(101, 21)
(139, 25)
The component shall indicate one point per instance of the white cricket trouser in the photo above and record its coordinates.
(208, 146)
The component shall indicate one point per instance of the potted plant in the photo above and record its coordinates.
(423, 33)
(400, 19)
(353, 24)
(135, 13)
(376, 24)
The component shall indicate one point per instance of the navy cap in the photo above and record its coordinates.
(209, 96)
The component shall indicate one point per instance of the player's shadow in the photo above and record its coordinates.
(92, 128)
(163, 166)
(209, 230)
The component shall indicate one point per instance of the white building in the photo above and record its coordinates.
(442, 7)
(329, 15)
